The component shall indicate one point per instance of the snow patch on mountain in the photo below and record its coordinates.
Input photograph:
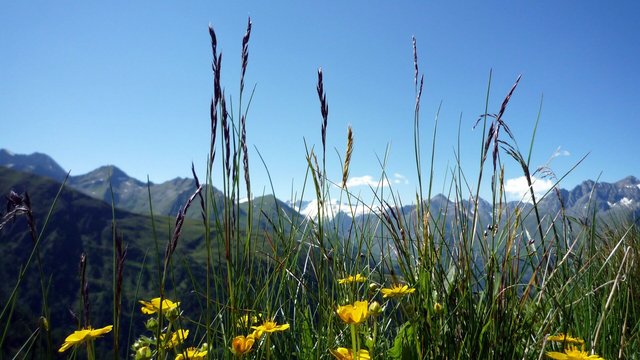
(626, 202)
(245, 200)
(330, 209)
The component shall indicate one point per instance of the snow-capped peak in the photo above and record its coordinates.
(330, 209)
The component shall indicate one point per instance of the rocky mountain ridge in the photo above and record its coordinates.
(133, 195)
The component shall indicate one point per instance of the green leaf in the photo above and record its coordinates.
(404, 345)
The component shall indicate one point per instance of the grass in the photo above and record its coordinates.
(423, 282)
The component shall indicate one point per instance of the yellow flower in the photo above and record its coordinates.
(241, 344)
(177, 337)
(347, 354)
(153, 306)
(572, 353)
(246, 320)
(353, 314)
(269, 327)
(192, 354)
(256, 334)
(80, 336)
(351, 279)
(565, 339)
(396, 291)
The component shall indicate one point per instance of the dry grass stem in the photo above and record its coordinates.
(347, 159)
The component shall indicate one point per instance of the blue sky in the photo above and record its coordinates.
(128, 83)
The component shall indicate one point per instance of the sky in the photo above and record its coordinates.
(129, 83)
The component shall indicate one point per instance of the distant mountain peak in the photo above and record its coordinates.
(109, 168)
(629, 180)
(440, 198)
(35, 163)
(181, 180)
(103, 175)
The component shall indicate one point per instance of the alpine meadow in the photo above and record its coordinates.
(217, 273)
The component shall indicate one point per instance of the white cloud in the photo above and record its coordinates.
(366, 180)
(517, 189)
(560, 152)
(400, 179)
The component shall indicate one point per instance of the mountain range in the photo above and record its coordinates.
(133, 195)
(128, 193)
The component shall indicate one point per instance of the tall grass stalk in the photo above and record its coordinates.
(10, 303)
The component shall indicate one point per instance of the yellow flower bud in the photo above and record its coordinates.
(437, 308)
(375, 309)
(144, 353)
(151, 324)
(44, 323)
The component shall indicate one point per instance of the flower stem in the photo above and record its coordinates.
(90, 352)
(354, 341)
(268, 344)
(375, 334)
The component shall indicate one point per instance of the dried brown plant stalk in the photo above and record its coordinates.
(347, 159)
(84, 290)
(121, 253)
(226, 136)
(324, 110)
(182, 213)
(245, 53)
(217, 92)
(245, 155)
(418, 88)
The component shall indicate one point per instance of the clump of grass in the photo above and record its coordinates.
(434, 280)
